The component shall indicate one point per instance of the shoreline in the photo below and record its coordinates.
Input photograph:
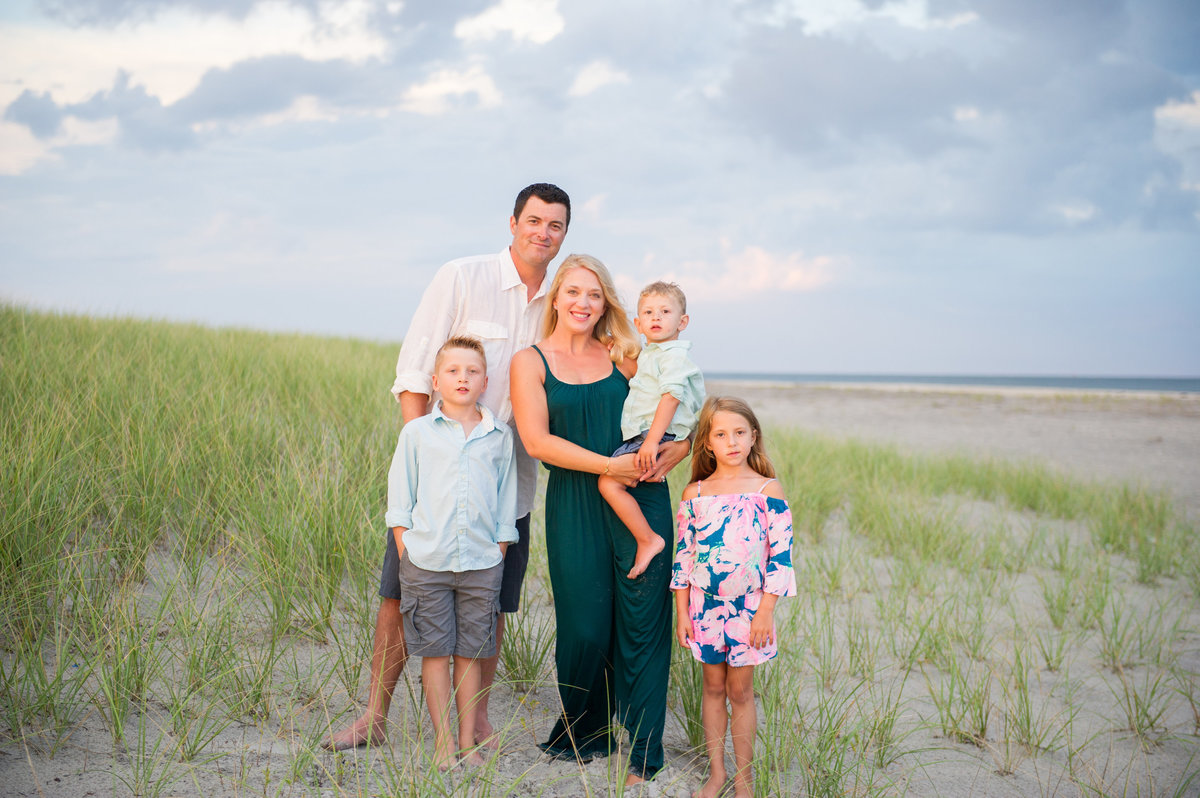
(1144, 438)
(1033, 391)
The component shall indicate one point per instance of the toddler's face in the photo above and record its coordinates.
(660, 318)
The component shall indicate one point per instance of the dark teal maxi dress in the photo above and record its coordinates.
(613, 645)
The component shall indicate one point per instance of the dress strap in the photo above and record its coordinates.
(768, 482)
(699, 487)
(545, 362)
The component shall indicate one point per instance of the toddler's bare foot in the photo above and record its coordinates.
(645, 553)
(714, 787)
(364, 731)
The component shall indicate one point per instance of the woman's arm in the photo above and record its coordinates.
(528, 388)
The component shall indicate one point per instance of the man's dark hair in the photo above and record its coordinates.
(547, 193)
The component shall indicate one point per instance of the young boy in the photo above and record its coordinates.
(452, 506)
(664, 398)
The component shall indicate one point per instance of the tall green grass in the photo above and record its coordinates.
(187, 515)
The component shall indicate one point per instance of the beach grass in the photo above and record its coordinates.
(191, 527)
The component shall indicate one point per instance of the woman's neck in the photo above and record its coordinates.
(574, 343)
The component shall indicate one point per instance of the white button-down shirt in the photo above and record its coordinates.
(455, 494)
(481, 296)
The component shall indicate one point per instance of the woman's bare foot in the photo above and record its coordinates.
(364, 731)
(714, 787)
(632, 778)
(645, 553)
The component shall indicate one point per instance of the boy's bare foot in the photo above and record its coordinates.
(713, 788)
(445, 760)
(472, 758)
(645, 553)
(486, 737)
(364, 731)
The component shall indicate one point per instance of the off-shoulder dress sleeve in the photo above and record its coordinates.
(685, 548)
(780, 577)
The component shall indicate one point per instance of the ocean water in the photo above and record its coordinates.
(1158, 384)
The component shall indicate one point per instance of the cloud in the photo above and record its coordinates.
(596, 75)
(170, 50)
(38, 112)
(535, 21)
(435, 95)
(754, 271)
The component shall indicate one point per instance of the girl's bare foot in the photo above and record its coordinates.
(714, 787)
(364, 731)
(645, 553)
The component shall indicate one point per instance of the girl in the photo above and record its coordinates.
(732, 563)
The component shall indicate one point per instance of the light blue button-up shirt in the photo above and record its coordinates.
(455, 495)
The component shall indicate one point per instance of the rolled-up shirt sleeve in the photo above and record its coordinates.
(430, 327)
(780, 576)
(402, 482)
(680, 377)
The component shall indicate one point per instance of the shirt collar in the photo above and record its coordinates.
(486, 424)
(678, 343)
(510, 278)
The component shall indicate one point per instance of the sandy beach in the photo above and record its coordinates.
(1137, 437)
(1147, 439)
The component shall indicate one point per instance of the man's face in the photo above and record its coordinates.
(539, 233)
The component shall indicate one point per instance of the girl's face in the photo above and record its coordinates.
(579, 301)
(730, 438)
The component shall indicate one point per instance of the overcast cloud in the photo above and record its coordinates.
(922, 186)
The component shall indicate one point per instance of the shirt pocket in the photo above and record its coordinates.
(494, 338)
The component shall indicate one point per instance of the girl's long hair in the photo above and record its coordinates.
(613, 328)
(703, 461)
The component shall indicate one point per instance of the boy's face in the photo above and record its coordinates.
(660, 318)
(460, 377)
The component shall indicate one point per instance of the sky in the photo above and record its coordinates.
(839, 186)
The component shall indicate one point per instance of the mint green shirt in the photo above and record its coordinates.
(663, 368)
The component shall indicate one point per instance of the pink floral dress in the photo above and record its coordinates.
(731, 549)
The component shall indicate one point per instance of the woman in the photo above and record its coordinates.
(613, 641)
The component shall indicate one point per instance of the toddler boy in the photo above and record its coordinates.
(664, 398)
(452, 506)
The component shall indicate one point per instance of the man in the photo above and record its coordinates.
(498, 299)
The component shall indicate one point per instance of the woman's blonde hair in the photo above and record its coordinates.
(704, 463)
(613, 329)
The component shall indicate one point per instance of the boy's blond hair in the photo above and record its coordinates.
(461, 342)
(663, 288)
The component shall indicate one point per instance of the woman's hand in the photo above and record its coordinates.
(670, 454)
(624, 469)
